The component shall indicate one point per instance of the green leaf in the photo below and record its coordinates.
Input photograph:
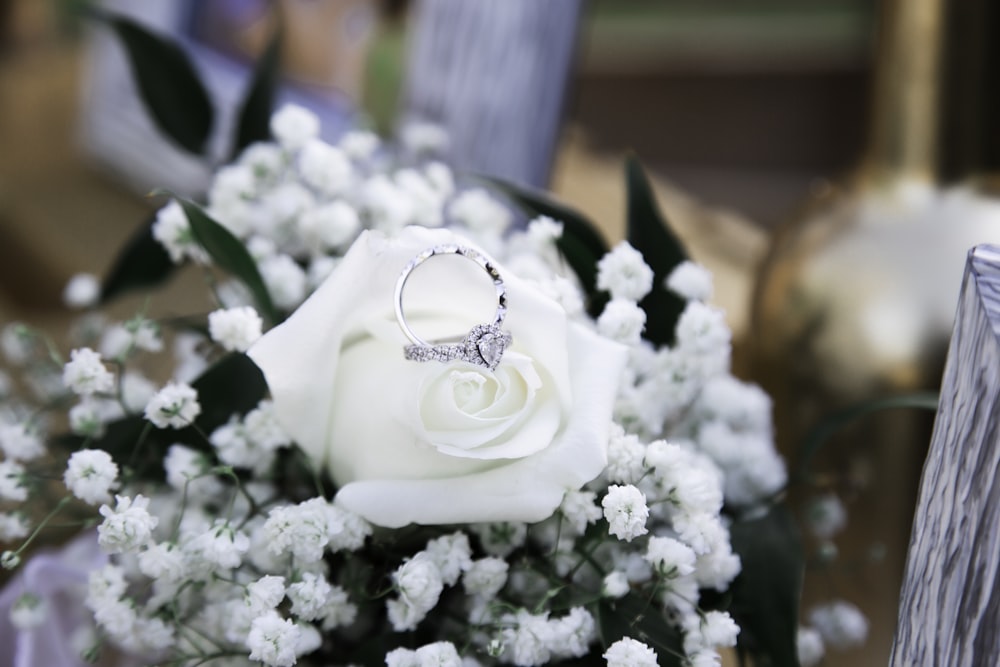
(641, 619)
(831, 424)
(649, 233)
(168, 84)
(766, 593)
(233, 385)
(254, 116)
(229, 254)
(142, 262)
(581, 244)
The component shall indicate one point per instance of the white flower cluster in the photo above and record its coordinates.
(233, 553)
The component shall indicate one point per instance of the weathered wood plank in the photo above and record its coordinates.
(949, 611)
(494, 75)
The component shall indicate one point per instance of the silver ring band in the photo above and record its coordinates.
(485, 344)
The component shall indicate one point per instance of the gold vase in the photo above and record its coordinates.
(855, 301)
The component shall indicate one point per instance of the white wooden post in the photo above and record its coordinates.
(494, 75)
(949, 610)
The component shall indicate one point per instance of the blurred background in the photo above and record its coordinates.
(829, 160)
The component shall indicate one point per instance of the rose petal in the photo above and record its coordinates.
(528, 489)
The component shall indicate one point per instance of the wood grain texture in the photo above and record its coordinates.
(949, 611)
(494, 75)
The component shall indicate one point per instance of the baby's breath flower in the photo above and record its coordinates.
(626, 511)
(20, 443)
(136, 391)
(174, 406)
(615, 584)
(339, 610)
(85, 373)
(452, 555)
(330, 226)
(500, 539)
(623, 321)
(273, 640)
(13, 527)
(573, 633)
(485, 577)
(826, 516)
(303, 530)
(709, 630)
(9, 560)
(479, 211)
(18, 342)
(840, 624)
(263, 158)
(348, 530)
(235, 329)
(265, 594)
(543, 231)
(530, 639)
(325, 167)
(82, 291)
(127, 527)
(419, 584)
(359, 144)
(28, 612)
(293, 126)
(172, 230)
(309, 596)
(702, 330)
(691, 281)
(90, 475)
(263, 429)
(423, 137)
(625, 457)
(222, 545)
(12, 481)
(669, 557)
(162, 561)
(285, 280)
(624, 273)
(89, 416)
(809, 646)
(627, 652)
(438, 654)
(579, 508)
(234, 447)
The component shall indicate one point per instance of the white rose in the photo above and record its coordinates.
(437, 443)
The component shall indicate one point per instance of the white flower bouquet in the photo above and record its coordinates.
(310, 484)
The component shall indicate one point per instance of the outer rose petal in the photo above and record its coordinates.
(301, 360)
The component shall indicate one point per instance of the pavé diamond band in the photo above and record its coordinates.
(485, 344)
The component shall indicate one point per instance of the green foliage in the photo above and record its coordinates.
(649, 233)
(765, 596)
(641, 619)
(229, 253)
(581, 244)
(232, 385)
(142, 262)
(254, 117)
(168, 84)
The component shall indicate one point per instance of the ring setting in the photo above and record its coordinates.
(485, 344)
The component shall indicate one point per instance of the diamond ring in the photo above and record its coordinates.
(485, 344)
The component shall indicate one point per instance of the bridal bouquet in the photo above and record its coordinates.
(409, 431)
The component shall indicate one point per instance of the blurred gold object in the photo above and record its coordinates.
(855, 300)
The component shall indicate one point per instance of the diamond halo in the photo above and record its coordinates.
(485, 344)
